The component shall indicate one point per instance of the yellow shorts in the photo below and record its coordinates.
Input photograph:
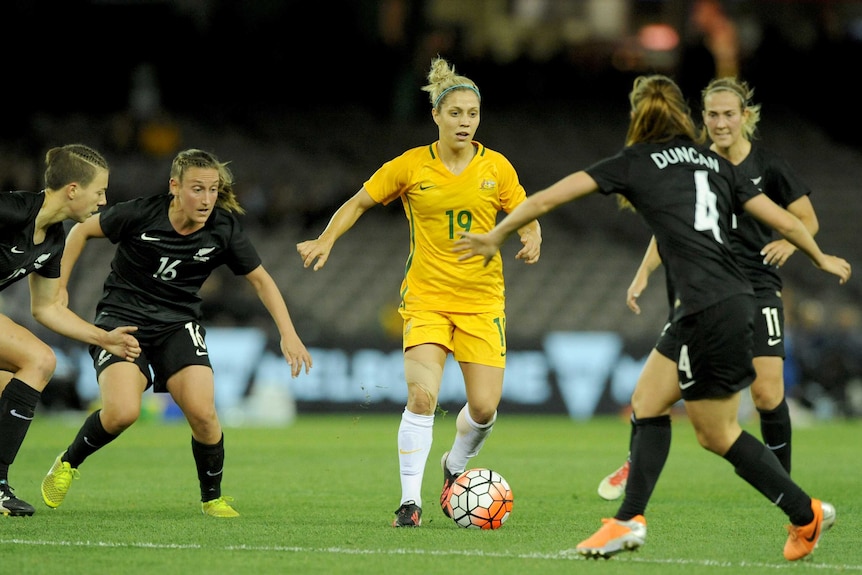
(471, 337)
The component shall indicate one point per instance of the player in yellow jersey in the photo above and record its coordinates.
(450, 186)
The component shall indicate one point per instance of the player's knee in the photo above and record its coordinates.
(483, 414)
(41, 361)
(706, 441)
(206, 428)
(116, 421)
(645, 406)
(767, 393)
(423, 385)
(420, 399)
(717, 441)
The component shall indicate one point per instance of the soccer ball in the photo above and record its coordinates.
(480, 499)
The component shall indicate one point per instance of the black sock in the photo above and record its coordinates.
(776, 431)
(753, 462)
(209, 460)
(650, 446)
(91, 438)
(17, 408)
(634, 428)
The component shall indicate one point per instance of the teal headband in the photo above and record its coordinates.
(456, 87)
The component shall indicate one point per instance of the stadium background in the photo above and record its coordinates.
(307, 99)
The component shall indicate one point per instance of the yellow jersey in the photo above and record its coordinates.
(439, 205)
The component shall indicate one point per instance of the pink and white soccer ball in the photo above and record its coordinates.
(480, 499)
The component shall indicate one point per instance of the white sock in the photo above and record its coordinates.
(415, 435)
(469, 439)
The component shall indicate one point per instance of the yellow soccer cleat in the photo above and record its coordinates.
(56, 484)
(219, 507)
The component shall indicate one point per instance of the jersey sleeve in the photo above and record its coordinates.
(783, 184)
(611, 174)
(117, 221)
(744, 188)
(242, 257)
(395, 177)
(50, 268)
(14, 210)
(512, 193)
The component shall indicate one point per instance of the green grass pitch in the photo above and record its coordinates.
(318, 496)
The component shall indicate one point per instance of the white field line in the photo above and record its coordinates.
(565, 555)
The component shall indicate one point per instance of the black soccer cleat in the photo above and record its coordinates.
(11, 505)
(408, 515)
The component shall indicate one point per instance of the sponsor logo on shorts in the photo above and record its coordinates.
(104, 356)
(687, 384)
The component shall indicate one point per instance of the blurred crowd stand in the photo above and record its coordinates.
(550, 104)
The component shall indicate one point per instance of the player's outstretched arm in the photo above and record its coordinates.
(789, 226)
(316, 251)
(570, 188)
(292, 348)
(650, 262)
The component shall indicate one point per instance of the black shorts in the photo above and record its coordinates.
(769, 325)
(714, 357)
(667, 341)
(162, 354)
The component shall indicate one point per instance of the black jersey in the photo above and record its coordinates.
(156, 273)
(687, 195)
(774, 176)
(19, 256)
